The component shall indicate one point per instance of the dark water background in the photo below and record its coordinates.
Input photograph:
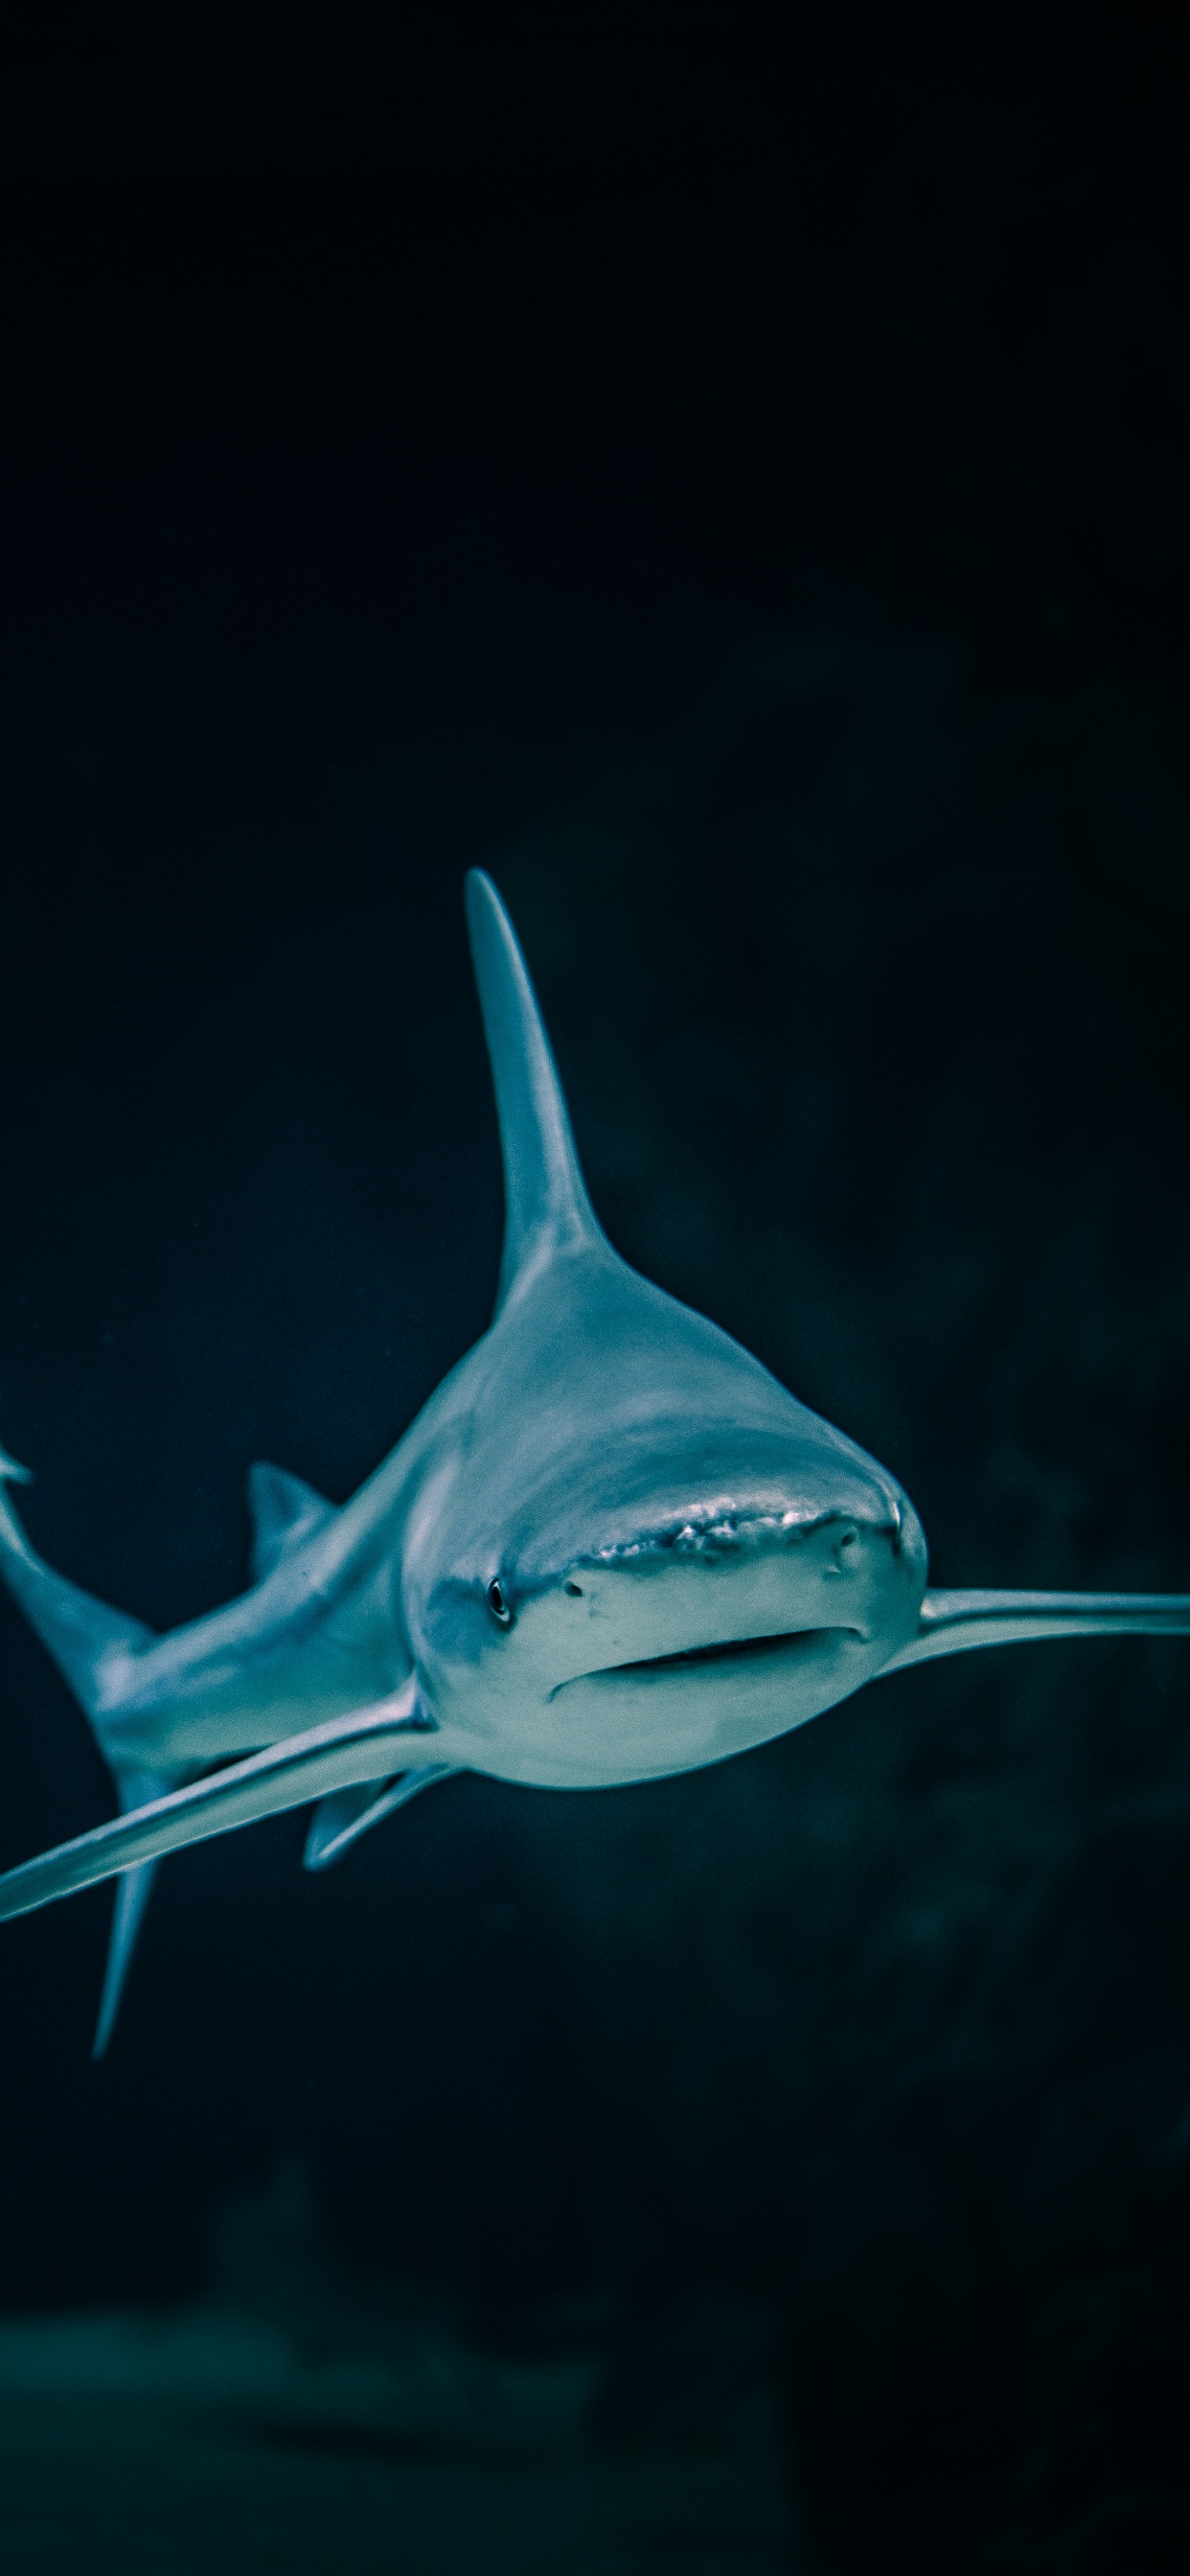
(737, 492)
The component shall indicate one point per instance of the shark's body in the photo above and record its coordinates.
(611, 1546)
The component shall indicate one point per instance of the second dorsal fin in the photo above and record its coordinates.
(546, 1207)
(285, 1511)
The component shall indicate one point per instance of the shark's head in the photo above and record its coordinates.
(644, 1554)
(648, 1608)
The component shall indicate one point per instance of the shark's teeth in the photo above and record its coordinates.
(719, 1528)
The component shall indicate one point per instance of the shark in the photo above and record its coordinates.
(610, 1547)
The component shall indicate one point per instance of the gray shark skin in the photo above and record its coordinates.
(610, 1547)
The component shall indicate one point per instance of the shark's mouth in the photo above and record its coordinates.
(786, 1646)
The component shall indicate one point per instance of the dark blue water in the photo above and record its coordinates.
(738, 496)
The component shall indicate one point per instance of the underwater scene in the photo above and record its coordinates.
(595, 834)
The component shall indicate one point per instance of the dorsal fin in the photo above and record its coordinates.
(546, 1207)
(285, 1512)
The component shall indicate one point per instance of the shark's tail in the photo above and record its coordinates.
(94, 1648)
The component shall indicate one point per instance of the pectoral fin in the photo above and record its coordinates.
(371, 1744)
(952, 1622)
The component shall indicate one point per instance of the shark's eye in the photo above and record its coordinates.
(499, 1604)
(574, 1588)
